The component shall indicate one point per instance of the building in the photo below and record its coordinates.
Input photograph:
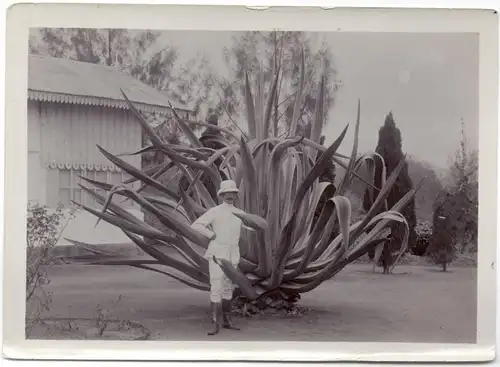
(72, 107)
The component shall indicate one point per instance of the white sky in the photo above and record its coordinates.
(429, 81)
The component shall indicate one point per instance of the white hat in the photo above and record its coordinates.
(227, 186)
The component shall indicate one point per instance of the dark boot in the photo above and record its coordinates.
(226, 318)
(216, 318)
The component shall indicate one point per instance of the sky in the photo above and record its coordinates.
(428, 80)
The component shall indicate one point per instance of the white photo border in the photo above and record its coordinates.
(22, 17)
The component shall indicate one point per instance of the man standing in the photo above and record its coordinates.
(223, 228)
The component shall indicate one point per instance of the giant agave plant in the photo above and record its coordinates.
(290, 252)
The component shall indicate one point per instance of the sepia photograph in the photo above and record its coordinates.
(252, 185)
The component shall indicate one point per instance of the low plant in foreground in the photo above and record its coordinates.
(43, 230)
(289, 253)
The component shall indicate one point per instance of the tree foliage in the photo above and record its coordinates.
(255, 52)
(461, 189)
(390, 149)
(441, 249)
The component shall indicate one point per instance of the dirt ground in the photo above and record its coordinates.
(416, 304)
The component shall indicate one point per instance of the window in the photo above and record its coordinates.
(69, 190)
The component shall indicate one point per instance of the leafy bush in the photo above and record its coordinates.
(42, 233)
(442, 248)
(423, 231)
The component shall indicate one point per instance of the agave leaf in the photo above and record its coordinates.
(312, 239)
(95, 249)
(342, 206)
(170, 221)
(168, 204)
(156, 175)
(253, 221)
(200, 262)
(185, 129)
(321, 148)
(152, 172)
(346, 180)
(137, 173)
(140, 229)
(317, 169)
(180, 159)
(146, 149)
(252, 130)
(334, 256)
(193, 209)
(237, 278)
(246, 265)
(319, 114)
(312, 280)
(114, 208)
(381, 197)
(259, 107)
(201, 190)
(286, 242)
(298, 98)
(153, 136)
(275, 174)
(183, 278)
(270, 100)
(195, 273)
(250, 178)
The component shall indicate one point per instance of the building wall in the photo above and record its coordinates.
(62, 141)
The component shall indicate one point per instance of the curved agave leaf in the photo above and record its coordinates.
(237, 278)
(116, 209)
(285, 244)
(202, 196)
(253, 221)
(141, 229)
(194, 272)
(155, 138)
(185, 129)
(310, 281)
(381, 198)
(338, 204)
(137, 173)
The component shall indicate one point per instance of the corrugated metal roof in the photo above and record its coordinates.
(67, 81)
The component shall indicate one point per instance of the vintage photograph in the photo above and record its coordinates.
(251, 185)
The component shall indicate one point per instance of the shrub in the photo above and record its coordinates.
(42, 233)
(423, 231)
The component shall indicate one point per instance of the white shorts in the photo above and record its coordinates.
(221, 287)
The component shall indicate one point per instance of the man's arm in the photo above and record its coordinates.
(202, 223)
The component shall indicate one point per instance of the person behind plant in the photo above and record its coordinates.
(223, 229)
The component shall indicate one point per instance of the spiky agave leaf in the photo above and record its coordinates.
(250, 107)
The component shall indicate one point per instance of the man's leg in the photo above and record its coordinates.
(216, 274)
(227, 295)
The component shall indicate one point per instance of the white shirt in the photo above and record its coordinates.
(227, 229)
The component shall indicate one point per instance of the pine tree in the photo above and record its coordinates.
(390, 148)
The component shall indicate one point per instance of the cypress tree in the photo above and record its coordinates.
(390, 148)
